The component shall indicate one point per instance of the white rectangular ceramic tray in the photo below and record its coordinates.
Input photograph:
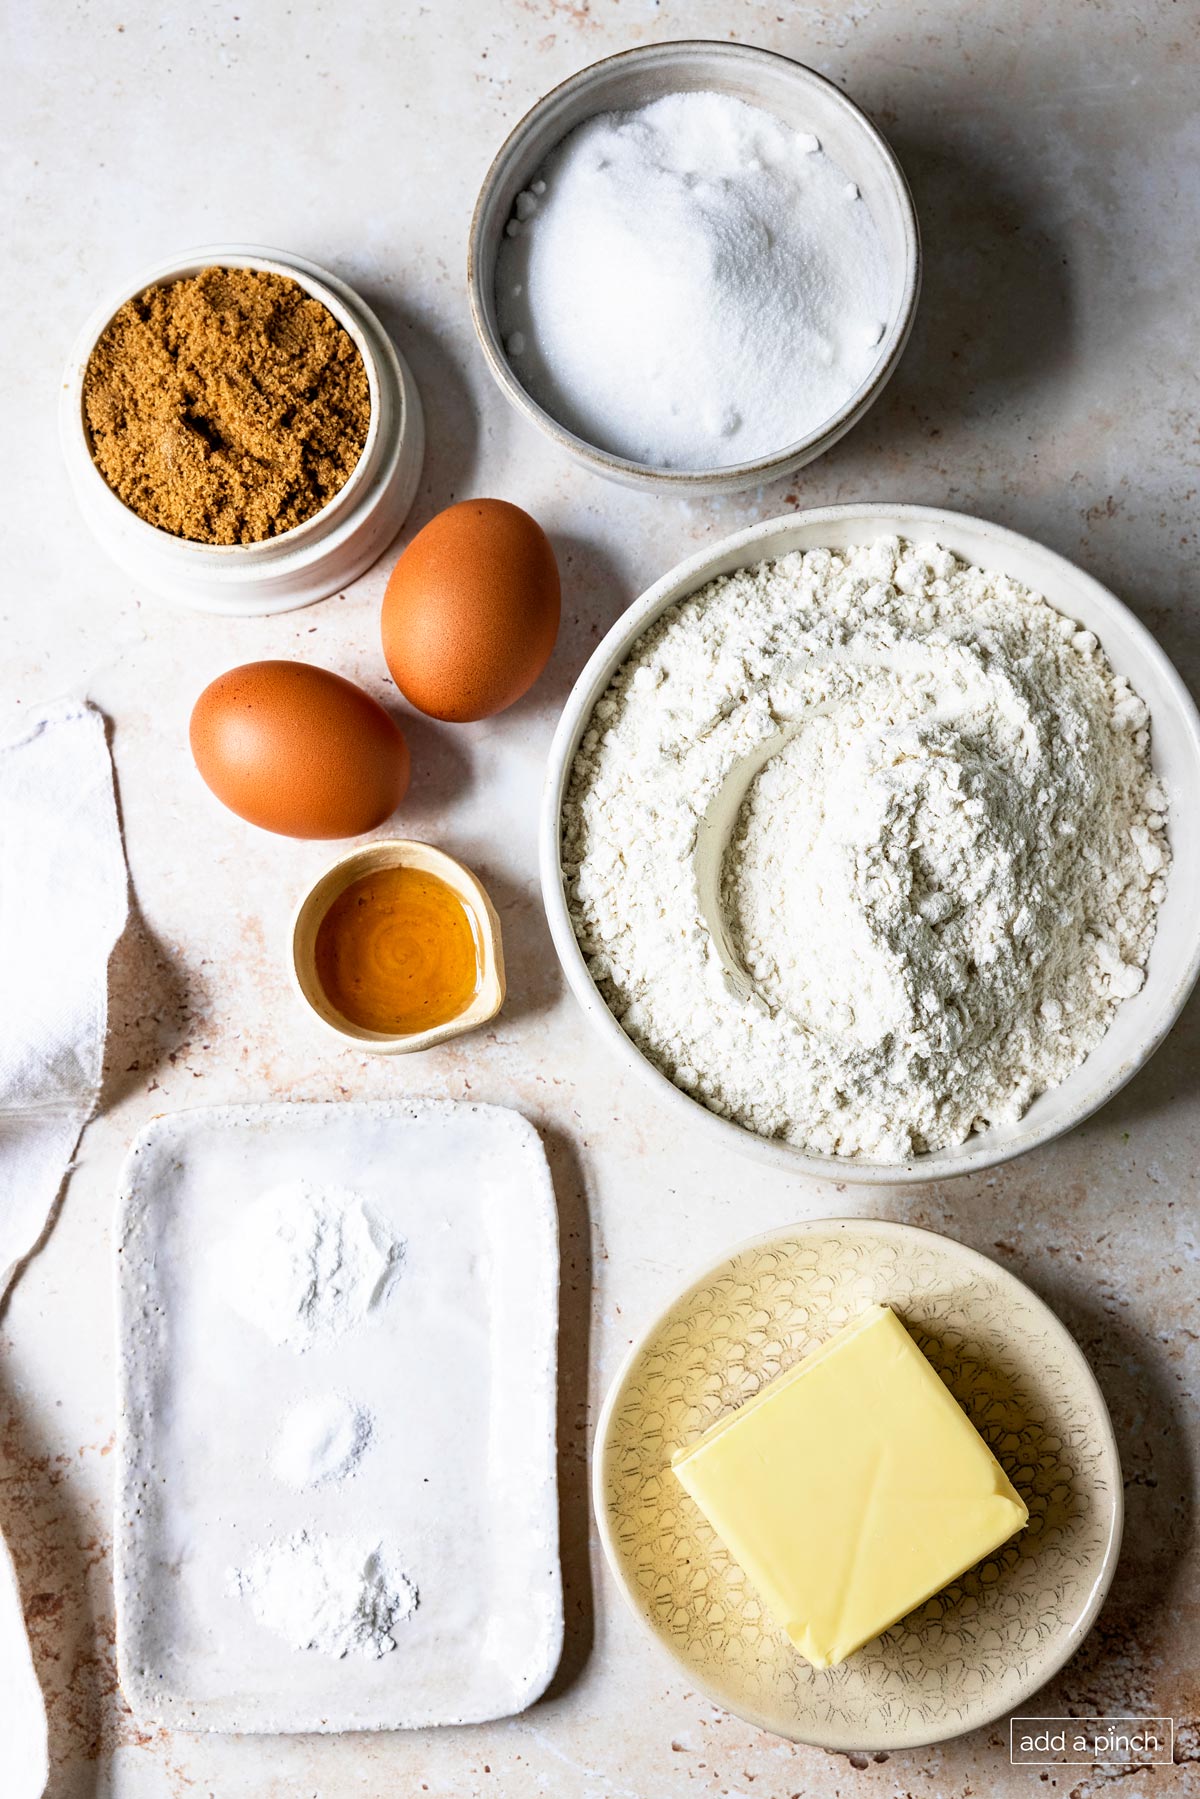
(455, 1364)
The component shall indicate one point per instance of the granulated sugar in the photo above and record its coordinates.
(692, 284)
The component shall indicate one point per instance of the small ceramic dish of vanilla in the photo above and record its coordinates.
(397, 948)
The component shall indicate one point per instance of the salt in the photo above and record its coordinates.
(692, 284)
(322, 1440)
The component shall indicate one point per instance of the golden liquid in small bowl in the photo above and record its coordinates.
(398, 952)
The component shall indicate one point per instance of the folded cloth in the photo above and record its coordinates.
(62, 907)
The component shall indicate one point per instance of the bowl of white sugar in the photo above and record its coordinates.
(871, 839)
(694, 266)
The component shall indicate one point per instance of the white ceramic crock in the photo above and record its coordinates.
(793, 93)
(314, 559)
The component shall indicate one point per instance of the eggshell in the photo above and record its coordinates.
(471, 611)
(298, 750)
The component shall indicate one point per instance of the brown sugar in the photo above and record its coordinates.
(226, 407)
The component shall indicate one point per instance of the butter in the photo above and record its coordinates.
(852, 1488)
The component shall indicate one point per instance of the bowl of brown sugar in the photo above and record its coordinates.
(241, 433)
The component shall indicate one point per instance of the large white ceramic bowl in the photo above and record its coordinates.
(1140, 1024)
(763, 78)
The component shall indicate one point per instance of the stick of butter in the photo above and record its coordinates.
(851, 1488)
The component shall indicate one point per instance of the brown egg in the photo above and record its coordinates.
(299, 750)
(471, 611)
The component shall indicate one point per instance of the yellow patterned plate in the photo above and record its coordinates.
(978, 1650)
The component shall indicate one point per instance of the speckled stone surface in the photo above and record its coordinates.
(1050, 384)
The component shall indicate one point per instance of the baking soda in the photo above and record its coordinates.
(692, 284)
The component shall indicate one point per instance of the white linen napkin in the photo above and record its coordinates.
(63, 903)
(62, 907)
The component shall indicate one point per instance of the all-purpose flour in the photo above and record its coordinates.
(306, 1264)
(336, 1595)
(864, 849)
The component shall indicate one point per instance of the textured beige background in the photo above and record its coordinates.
(1050, 384)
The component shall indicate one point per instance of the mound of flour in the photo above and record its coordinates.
(306, 1264)
(336, 1595)
(864, 849)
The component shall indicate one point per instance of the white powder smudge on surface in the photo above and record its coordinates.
(306, 1264)
(336, 1595)
(864, 848)
(322, 1439)
(692, 284)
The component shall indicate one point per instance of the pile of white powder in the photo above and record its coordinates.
(337, 1595)
(306, 1264)
(864, 848)
(692, 284)
(321, 1440)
